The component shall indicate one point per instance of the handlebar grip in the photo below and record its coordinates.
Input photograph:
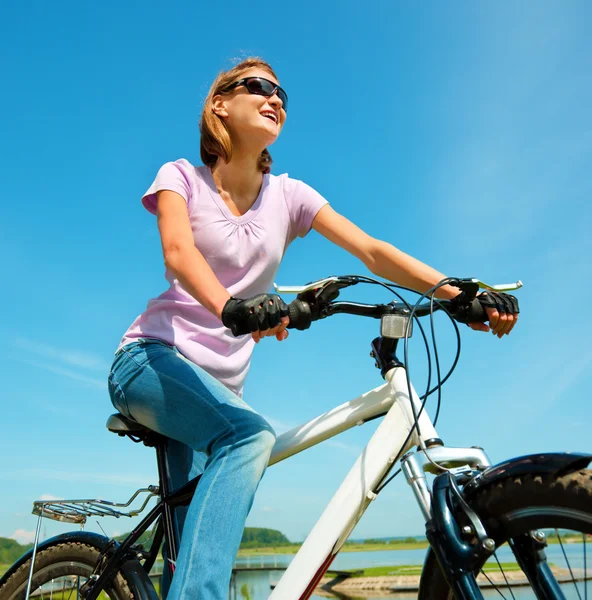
(474, 313)
(238, 330)
(300, 315)
(477, 313)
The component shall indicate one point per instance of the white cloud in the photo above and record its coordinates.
(567, 375)
(76, 358)
(49, 474)
(93, 381)
(267, 509)
(63, 359)
(278, 426)
(49, 497)
(23, 537)
(349, 448)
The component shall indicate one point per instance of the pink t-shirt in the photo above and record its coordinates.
(244, 253)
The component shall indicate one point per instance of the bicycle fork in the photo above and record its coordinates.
(455, 532)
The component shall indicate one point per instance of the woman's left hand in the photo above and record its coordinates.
(500, 322)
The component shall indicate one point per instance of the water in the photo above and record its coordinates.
(256, 585)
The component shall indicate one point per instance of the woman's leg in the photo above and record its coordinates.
(155, 385)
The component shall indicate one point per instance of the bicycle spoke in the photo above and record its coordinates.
(51, 590)
(505, 578)
(493, 585)
(568, 565)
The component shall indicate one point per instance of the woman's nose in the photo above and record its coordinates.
(275, 101)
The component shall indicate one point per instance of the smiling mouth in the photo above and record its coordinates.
(270, 116)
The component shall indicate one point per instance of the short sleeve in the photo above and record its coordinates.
(303, 205)
(171, 176)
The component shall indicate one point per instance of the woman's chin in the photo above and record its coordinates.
(259, 137)
(271, 140)
(268, 138)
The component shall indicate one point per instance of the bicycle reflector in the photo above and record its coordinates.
(395, 326)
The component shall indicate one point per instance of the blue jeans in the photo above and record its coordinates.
(211, 430)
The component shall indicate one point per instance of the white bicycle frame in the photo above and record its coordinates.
(358, 488)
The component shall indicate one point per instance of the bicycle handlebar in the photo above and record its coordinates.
(302, 314)
(316, 300)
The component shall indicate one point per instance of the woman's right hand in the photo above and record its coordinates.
(262, 316)
(501, 309)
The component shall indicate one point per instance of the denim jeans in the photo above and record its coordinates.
(211, 430)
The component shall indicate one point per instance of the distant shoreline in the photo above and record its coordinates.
(293, 548)
(419, 545)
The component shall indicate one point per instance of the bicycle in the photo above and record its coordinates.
(471, 510)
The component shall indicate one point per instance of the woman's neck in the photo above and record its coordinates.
(240, 179)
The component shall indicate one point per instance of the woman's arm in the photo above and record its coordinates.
(183, 258)
(384, 260)
(188, 264)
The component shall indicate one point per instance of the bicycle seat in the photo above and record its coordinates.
(123, 426)
(117, 423)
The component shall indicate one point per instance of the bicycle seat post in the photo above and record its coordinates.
(163, 482)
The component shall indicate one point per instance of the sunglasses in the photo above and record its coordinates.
(261, 87)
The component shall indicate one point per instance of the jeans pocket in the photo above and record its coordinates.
(117, 396)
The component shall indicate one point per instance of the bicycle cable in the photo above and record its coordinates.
(430, 293)
(392, 287)
(413, 316)
(416, 415)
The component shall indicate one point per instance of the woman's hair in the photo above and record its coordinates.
(215, 140)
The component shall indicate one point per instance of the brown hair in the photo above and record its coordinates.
(215, 140)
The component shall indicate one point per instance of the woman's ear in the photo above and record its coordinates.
(219, 106)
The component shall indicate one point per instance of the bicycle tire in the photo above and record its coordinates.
(60, 561)
(527, 502)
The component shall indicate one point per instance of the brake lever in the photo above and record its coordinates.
(471, 286)
(318, 292)
(330, 292)
(301, 289)
(500, 287)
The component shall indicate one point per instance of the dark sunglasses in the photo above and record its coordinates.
(261, 87)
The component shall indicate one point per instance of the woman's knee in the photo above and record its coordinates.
(260, 446)
(265, 440)
(252, 424)
(251, 430)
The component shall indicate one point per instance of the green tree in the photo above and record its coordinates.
(257, 537)
(11, 550)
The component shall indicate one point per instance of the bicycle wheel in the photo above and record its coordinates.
(558, 506)
(59, 572)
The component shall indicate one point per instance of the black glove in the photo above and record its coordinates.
(505, 303)
(259, 313)
(474, 311)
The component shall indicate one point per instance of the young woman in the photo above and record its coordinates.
(179, 370)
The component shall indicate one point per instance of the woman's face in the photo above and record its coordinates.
(252, 120)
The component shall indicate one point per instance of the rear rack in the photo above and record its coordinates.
(77, 511)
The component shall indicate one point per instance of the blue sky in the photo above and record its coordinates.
(459, 132)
